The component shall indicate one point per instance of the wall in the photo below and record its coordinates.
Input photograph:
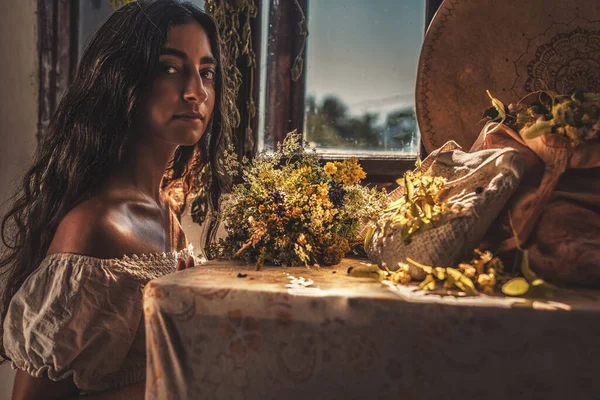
(18, 109)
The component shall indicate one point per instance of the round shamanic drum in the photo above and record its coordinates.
(510, 47)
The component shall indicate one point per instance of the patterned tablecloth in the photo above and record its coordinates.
(224, 331)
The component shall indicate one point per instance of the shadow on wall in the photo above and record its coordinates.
(18, 111)
(7, 376)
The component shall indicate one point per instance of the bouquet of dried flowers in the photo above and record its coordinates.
(290, 210)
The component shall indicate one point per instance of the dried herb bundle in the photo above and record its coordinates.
(236, 41)
(418, 206)
(480, 274)
(575, 116)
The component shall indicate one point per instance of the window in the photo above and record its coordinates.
(356, 93)
(360, 75)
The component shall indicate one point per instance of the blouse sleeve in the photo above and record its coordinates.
(76, 316)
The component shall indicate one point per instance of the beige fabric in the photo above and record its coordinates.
(298, 333)
(478, 186)
(555, 209)
(81, 316)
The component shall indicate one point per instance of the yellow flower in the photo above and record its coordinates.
(486, 280)
(323, 189)
(304, 171)
(301, 239)
(401, 275)
(330, 168)
(467, 269)
(348, 172)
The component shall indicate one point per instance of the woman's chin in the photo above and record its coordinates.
(190, 138)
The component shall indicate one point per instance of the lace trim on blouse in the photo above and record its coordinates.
(82, 316)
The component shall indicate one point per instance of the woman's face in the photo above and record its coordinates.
(180, 101)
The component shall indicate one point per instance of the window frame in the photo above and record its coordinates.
(58, 25)
(285, 99)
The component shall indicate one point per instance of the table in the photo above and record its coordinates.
(225, 331)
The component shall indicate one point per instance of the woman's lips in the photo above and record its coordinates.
(190, 118)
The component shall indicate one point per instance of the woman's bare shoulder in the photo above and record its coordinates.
(95, 227)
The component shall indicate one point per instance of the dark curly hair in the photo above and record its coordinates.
(86, 135)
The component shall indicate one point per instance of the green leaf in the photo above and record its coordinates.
(538, 129)
(427, 210)
(514, 231)
(499, 106)
(409, 187)
(449, 282)
(526, 269)
(440, 273)
(416, 210)
(427, 269)
(428, 283)
(515, 287)
(462, 282)
(542, 288)
(369, 235)
(367, 271)
(396, 204)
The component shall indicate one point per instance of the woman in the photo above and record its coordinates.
(94, 221)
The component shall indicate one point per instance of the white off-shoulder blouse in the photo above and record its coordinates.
(82, 316)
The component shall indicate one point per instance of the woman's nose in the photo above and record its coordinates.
(195, 91)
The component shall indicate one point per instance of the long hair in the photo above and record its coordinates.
(88, 132)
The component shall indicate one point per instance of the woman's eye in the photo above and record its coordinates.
(169, 70)
(208, 74)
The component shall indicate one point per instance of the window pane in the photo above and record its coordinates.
(92, 13)
(361, 72)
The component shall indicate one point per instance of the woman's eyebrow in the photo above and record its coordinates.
(169, 51)
(208, 60)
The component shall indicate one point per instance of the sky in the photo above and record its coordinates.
(365, 52)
